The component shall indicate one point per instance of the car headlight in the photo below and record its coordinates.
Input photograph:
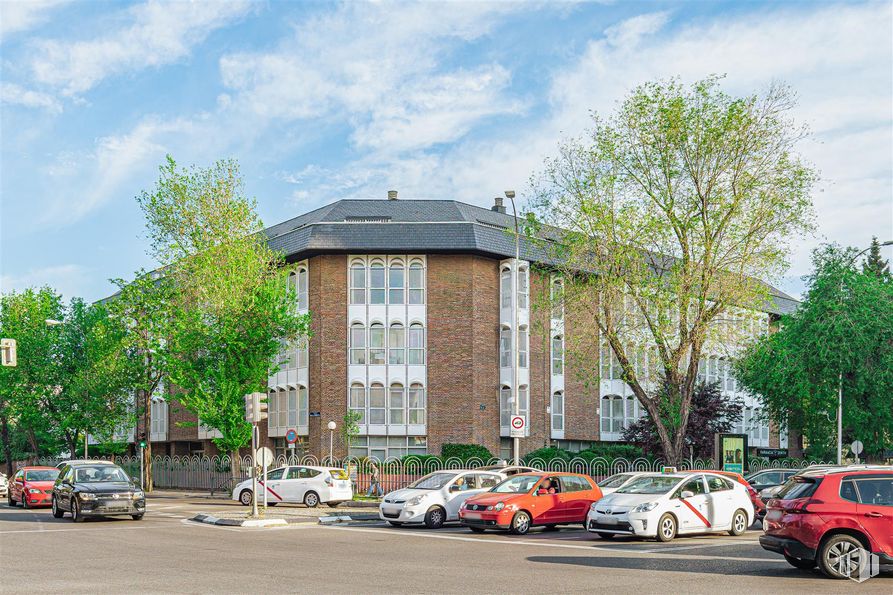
(592, 507)
(86, 496)
(33, 491)
(646, 507)
(138, 495)
(416, 501)
(499, 506)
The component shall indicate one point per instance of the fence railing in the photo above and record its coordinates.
(215, 474)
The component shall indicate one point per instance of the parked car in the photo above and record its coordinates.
(435, 499)
(531, 499)
(611, 484)
(829, 518)
(96, 488)
(301, 485)
(663, 505)
(769, 478)
(4, 485)
(32, 486)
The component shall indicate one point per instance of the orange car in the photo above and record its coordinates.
(759, 507)
(531, 499)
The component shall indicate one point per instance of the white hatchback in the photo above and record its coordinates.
(665, 505)
(435, 498)
(300, 484)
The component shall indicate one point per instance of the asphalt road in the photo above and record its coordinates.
(167, 553)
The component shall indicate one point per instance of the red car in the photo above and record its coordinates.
(829, 518)
(530, 499)
(759, 507)
(32, 486)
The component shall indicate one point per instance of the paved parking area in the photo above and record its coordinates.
(166, 553)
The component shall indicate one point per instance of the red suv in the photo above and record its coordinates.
(824, 518)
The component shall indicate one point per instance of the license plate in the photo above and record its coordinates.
(472, 515)
(773, 515)
(116, 508)
(608, 520)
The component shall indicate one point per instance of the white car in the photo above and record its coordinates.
(4, 485)
(664, 505)
(299, 484)
(611, 484)
(435, 498)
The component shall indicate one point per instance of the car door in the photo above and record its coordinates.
(274, 486)
(15, 488)
(549, 507)
(63, 488)
(875, 508)
(458, 491)
(573, 499)
(692, 511)
(721, 501)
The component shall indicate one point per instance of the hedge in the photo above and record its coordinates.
(465, 452)
(606, 451)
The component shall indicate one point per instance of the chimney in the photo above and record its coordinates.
(498, 205)
(392, 195)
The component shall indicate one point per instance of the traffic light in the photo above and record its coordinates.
(142, 441)
(261, 407)
(8, 352)
(249, 408)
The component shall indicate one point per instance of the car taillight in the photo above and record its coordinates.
(799, 506)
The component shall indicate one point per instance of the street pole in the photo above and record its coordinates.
(264, 465)
(254, 470)
(516, 408)
(142, 453)
(331, 425)
(86, 436)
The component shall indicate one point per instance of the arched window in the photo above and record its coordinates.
(558, 411)
(397, 344)
(505, 284)
(376, 344)
(416, 283)
(357, 282)
(558, 355)
(378, 404)
(376, 283)
(505, 406)
(397, 405)
(557, 297)
(417, 403)
(291, 283)
(396, 282)
(303, 407)
(416, 341)
(358, 400)
(302, 289)
(292, 408)
(612, 414)
(505, 347)
(357, 344)
(522, 347)
(523, 287)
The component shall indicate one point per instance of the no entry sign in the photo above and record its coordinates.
(519, 426)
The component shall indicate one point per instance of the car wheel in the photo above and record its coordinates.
(476, 529)
(739, 523)
(666, 528)
(606, 535)
(311, 499)
(435, 517)
(520, 523)
(395, 524)
(25, 501)
(76, 511)
(246, 497)
(58, 513)
(841, 556)
(137, 517)
(10, 501)
(800, 563)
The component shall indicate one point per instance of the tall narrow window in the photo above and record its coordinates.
(291, 283)
(416, 283)
(506, 287)
(395, 283)
(303, 352)
(505, 347)
(302, 289)
(397, 344)
(416, 342)
(557, 355)
(292, 408)
(417, 404)
(522, 347)
(557, 299)
(272, 411)
(523, 286)
(378, 404)
(524, 401)
(505, 406)
(376, 344)
(357, 282)
(558, 411)
(291, 355)
(396, 405)
(303, 407)
(358, 344)
(605, 357)
(376, 283)
(358, 400)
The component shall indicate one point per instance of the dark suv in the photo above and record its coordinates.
(96, 488)
(830, 518)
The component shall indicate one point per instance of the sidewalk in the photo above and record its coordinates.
(321, 510)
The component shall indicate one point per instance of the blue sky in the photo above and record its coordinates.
(320, 101)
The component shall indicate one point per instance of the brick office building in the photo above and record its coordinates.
(411, 305)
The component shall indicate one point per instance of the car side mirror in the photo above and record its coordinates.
(687, 494)
(454, 488)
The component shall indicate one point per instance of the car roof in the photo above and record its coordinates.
(860, 470)
(87, 462)
(38, 468)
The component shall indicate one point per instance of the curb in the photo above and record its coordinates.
(213, 520)
(334, 520)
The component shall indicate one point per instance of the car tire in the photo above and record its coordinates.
(435, 517)
(76, 515)
(666, 528)
(137, 517)
(606, 535)
(477, 529)
(831, 552)
(311, 499)
(395, 524)
(245, 497)
(58, 513)
(10, 501)
(25, 502)
(739, 523)
(800, 563)
(520, 523)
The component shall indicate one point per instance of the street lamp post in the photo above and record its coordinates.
(331, 427)
(516, 404)
(840, 372)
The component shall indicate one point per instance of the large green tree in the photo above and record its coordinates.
(841, 336)
(662, 220)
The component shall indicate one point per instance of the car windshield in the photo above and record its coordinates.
(653, 484)
(799, 487)
(519, 484)
(434, 481)
(100, 473)
(615, 481)
(42, 475)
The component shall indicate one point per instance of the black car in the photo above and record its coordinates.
(96, 488)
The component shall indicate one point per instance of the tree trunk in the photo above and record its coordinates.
(7, 448)
(147, 452)
(234, 464)
(35, 446)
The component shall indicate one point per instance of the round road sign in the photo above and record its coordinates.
(291, 436)
(518, 422)
(857, 447)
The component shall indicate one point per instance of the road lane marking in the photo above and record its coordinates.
(77, 529)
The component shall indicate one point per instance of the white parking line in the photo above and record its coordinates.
(77, 529)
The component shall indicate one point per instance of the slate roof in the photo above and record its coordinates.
(373, 225)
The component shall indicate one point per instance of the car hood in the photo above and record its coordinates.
(406, 494)
(627, 500)
(43, 485)
(105, 486)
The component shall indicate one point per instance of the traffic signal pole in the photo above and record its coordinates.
(254, 470)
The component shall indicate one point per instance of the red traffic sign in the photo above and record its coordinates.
(518, 422)
(291, 436)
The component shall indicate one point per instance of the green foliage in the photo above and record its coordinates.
(465, 452)
(876, 265)
(607, 451)
(350, 428)
(843, 330)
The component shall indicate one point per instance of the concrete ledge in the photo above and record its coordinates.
(213, 520)
(344, 518)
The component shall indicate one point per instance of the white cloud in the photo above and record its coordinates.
(629, 32)
(160, 33)
(68, 279)
(13, 94)
(22, 15)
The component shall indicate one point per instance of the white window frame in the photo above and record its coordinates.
(358, 355)
(415, 343)
(357, 291)
(557, 409)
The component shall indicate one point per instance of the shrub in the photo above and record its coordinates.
(465, 452)
(607, 451)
